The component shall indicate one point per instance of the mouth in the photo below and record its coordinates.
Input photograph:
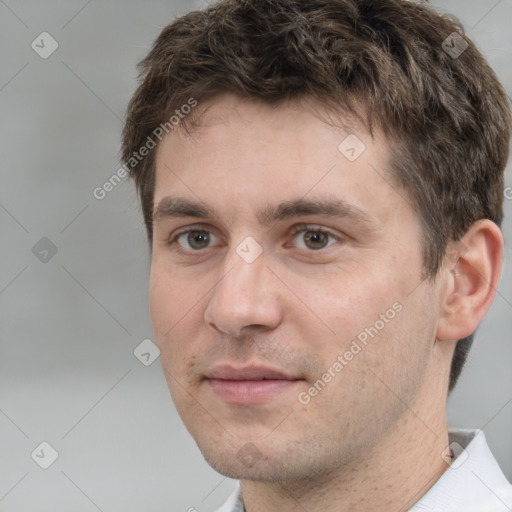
(249, 385)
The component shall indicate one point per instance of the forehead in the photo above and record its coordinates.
(243, 154)
(285, 121)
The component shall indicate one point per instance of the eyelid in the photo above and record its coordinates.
(311, 227)
(186, 229)
(316, 228)
(173, 238)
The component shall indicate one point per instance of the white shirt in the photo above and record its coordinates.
(473, 483)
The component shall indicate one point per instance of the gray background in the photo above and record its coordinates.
(70, 324)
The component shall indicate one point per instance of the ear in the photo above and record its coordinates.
(471, 273)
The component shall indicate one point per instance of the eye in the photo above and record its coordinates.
(312, 238)
(195, 239)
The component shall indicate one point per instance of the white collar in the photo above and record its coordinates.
(473, 483)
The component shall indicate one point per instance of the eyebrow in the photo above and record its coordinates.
(177, 207)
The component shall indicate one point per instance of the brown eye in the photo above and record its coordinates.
(196, 239)
(315, 239)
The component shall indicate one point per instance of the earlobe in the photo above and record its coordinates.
(472, 270)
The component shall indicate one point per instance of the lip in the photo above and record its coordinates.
(226, 372)
(249, 385)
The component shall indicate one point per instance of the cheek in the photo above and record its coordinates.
(177, 313)
(344, 305)
(162, 303)
(167, 307)
(373, 322)
(171, 300)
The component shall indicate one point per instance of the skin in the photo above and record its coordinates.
(372, 438)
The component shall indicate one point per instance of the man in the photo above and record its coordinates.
(322, 206)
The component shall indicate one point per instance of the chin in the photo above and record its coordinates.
(231, 463)
(250, 463)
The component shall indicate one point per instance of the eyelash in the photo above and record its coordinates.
(315, 229)
(174, 238)
(294, 231)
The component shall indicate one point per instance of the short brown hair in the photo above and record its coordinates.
(447, 114)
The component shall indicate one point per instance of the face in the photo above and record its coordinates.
(286, 289)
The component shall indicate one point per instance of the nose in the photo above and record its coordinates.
(246, 296)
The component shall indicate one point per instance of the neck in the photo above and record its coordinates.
(392, 477)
